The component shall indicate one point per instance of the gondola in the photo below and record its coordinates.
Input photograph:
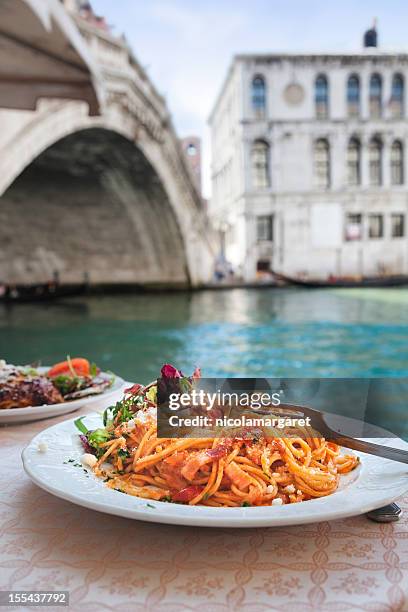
(395, 280)
(44, 292)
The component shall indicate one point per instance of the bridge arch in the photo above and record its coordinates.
(60, 156)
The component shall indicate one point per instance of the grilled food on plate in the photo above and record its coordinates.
(23, 386)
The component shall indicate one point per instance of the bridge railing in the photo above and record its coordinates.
(114, 55)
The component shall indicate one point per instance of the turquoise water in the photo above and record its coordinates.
(266, 332)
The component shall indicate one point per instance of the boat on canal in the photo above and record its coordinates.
(395, 280)
(42, 292)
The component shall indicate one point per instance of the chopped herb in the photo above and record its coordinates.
(246, 504)
(123, 453)
(69, 383)
(123, 408)
(125, 413)
(98, 436)
(151, 506)
(166, 499)
(79, 425)
(93, 370)
(105, 416)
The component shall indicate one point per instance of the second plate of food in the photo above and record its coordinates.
(31, 394)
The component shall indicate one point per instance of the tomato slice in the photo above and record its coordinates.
(187, 494)
(79, 365)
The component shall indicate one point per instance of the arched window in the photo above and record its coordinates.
(354, 162)
(322, 97)
(322, 163)
(397, 96)
(397, 163)
(375, 96)
(353, 96)
(259, 96)
(375, 162)
(260, 164)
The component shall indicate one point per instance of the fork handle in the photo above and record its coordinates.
(387, 452)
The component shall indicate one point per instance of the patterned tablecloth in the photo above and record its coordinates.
(112, 563)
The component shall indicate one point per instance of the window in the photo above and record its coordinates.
(322, 97)
(375, 96)
(191, 150)
(354, 162)
(353, 229)
(353, 96)
(260, 164)
(263, 265)
(264, 228)
(259, 96)
(375, 162)
(375, 226)
(322, 163)
(397, 163)
(397, 96)
(397, 225)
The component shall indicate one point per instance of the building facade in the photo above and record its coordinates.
(191, 146)
(309, 164)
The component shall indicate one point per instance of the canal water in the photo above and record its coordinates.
(265, 332)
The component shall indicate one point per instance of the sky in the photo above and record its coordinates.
(186, 46)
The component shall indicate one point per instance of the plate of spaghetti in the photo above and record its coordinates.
(115, 463)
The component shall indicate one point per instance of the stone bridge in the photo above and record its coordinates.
(109, 196)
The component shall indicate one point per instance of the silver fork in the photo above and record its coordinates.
(319, 423)
(386, 514)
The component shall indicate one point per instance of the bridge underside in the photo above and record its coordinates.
(90, 205)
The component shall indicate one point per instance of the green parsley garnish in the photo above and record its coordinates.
(93, 370)
(123, 408)
(79, 425)
(99, 436)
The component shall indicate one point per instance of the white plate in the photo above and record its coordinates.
(36, 413)
(375, 483)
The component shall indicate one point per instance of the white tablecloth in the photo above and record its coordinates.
(112, 563)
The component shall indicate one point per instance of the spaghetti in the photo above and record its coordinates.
(219, 472)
